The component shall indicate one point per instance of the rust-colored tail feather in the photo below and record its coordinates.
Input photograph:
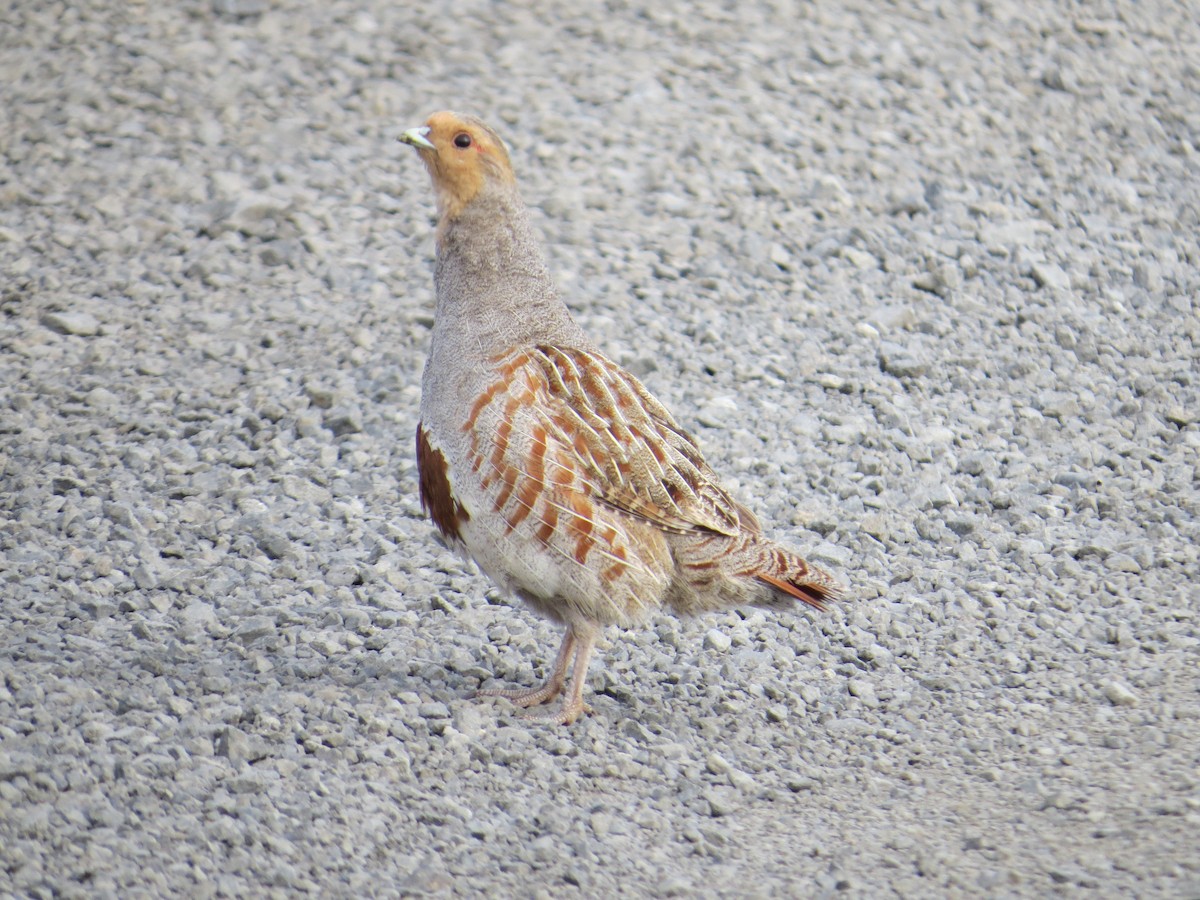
(815, 595)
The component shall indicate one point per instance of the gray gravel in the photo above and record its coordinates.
(922, 277)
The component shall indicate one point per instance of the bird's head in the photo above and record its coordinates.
(465, 158)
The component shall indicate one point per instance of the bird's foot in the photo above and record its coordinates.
(572, 705)
(526, 696)
(564, 714)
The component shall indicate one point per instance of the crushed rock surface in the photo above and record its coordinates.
(922, 278)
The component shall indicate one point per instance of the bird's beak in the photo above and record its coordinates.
(416, 137)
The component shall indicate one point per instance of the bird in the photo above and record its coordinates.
(552, 467)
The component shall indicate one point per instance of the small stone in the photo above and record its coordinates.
(881, 657)
(145, 578)
(601, 823)
(308, 424)
(717, 764)
(721, 801)
(243, 459)
(1177, 415)
(961, 526)
(1148, 276)
(1122, 562)
(63, 484)
(717, 412)
(947, 278)
(252, 214)
(864, 691)
(237, 746)
(938, 434)
(899, 361)
(248, 782)
(327, 647)
(1002, 237)
(1080, 480)
(342, 575)
(434, 709)
(100, 398)
(830, 381)
(641, 366)
(344, 420)
(239, 9)
(1049, 275)
(777, 713)
(1119, 694)
(254, 628)
(1058, 405)
(974, 463)
(1056, 800)
(939, 496)
(797, 783)
(912, 203)
(199, 615)
(876, 525)
(859, 258)
(717, 640)
(675, 886)
(273, 543)
(575, 876)
(893, 318)
(282, 253)
(79, 323)
(780, 256)
(743, 781)
(926, 281)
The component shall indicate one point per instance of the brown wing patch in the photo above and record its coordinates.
(437, 499)
(544, 467)
(580, 525)
(628, 449)
(617, 567)
(484, 399)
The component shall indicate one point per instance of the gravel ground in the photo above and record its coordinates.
(922, 277)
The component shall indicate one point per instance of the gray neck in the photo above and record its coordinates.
(493, 284)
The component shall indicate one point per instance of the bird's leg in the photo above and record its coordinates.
(544, 692)
(572, 706)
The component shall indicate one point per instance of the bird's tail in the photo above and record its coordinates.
(792, 575)
(718, 572)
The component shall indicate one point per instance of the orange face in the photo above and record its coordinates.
(462, 155)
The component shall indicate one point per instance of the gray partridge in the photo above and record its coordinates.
(548, 464)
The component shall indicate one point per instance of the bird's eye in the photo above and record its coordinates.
(462, 141)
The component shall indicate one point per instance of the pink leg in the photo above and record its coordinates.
(544, 692)
(572, 706)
